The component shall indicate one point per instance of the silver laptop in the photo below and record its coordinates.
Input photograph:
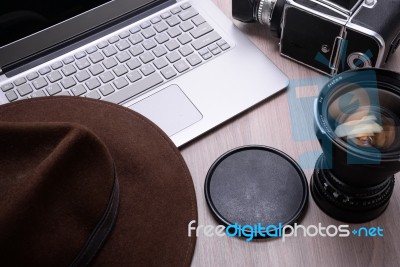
(182, 64)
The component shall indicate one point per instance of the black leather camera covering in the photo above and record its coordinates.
(303, 36)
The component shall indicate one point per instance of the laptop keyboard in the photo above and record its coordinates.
(128, 63)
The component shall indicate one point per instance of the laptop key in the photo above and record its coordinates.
(68, 60)
(160, 27)
(136, 50)
(123, 34)
(20, 81)
(134, 76)
(39, 93)
(120, 83)
(146, 57)
(93, 94)
(187, 14)
(194, 59)
(134, 89)
(133, 63)
(155, 20)
(122, 45)
(135, 39)
(206, 55)
(32, 76)
(161, 38)
(24, 89)
(82, 76)
(109, 51)
(173, 57)
(206, 40)
(186, 50)
(147, 70)
(80, 55)
(92, 83)
(172, 45)
(68, 82)
(110, 62)
(160, 63)
(54, 76)
(186, 6)
(173, 21)
(145, 25)
(165, 15)
(181, 66)
(148, 33)
(113, 39)
(39, 83)
(91, 49)
(78, 90)
(68, 70)
(106, 77)
(122, 57)
(197, 20)
(159, 51)
(82, 63)
(53, 89)
(120, 70)
(96, 57)
(56, 65)
(168, 72)
(225, 47)
(6, 87)
(216, 51)
(106, 89)
(149, 44)
(176, 10)
(173, 32)
(186, 26)
(96, 69)
(44, 70)
(201, 30)
(11, 96)
(134, 29)
(102, 44)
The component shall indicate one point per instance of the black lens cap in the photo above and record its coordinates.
(253, 185)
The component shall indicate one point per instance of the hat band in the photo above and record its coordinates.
(102, 229)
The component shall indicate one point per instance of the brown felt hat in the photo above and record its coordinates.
(86, 182)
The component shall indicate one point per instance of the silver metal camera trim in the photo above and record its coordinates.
(340, 22)
(377, 37)
(342, 9)
(264, 11)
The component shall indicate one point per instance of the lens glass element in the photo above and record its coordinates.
(365, 117)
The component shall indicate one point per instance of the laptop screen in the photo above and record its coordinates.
(28, 27)
(22, 18)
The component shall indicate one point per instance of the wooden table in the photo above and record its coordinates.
(269, 123)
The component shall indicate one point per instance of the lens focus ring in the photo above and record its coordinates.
(264, 11)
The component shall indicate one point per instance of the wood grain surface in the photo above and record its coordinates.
(270, 123)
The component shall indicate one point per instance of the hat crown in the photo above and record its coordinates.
(55, 185)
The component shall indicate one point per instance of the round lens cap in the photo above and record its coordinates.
(256, 185)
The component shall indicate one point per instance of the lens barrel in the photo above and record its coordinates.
(357, 121)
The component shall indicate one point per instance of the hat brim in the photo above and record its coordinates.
(157, 197)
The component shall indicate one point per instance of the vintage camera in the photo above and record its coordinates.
(329, 36)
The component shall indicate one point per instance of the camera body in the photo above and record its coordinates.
(329, 36)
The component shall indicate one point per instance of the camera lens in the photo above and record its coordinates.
(357, 117)
(267, 12)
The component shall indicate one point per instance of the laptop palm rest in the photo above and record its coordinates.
(170, 109)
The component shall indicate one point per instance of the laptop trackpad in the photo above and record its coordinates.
(170, 109)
